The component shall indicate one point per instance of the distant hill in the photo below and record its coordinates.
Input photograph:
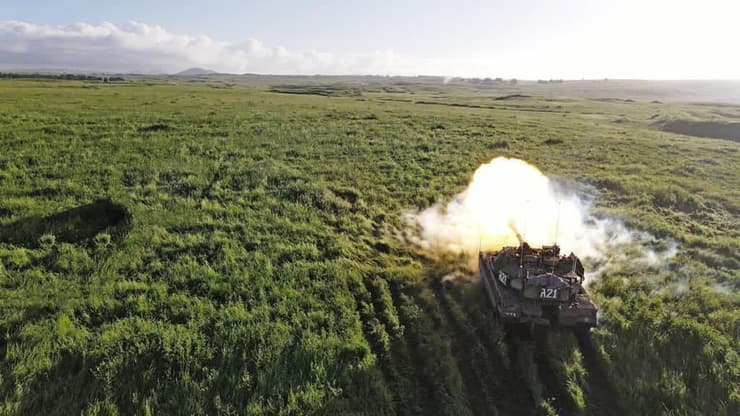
(195, 72)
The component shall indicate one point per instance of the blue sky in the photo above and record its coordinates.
(525, 39)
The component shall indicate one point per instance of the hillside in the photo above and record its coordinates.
(195, 72)
(719, 92)
(241, 249)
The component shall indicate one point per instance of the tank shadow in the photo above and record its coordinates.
(74, 225)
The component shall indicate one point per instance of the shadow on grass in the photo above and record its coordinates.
(66, 388)
(73, 225)
(715, 130)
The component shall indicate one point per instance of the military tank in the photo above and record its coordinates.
(537, 286)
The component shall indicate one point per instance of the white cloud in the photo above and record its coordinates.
(645, 51)
(138, 47)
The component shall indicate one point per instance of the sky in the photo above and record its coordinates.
(525, 39)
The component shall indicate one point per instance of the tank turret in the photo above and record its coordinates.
(537, 285)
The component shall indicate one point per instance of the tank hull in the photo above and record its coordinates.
(511, 307)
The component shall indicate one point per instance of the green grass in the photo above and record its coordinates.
(183, 249)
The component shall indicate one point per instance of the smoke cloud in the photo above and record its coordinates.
(509, 200)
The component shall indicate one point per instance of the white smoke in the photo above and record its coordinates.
(509, 199)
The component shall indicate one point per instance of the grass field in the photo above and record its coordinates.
(176, 248)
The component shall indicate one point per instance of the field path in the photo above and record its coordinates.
(604, 399)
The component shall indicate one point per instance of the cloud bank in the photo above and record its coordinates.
(142, 48)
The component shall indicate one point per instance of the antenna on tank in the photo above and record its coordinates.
(521, 255)
(480, 239)
(557, 230)
(521, 251)
(557, 223)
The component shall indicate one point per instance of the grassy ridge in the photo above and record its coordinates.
(187, 250)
